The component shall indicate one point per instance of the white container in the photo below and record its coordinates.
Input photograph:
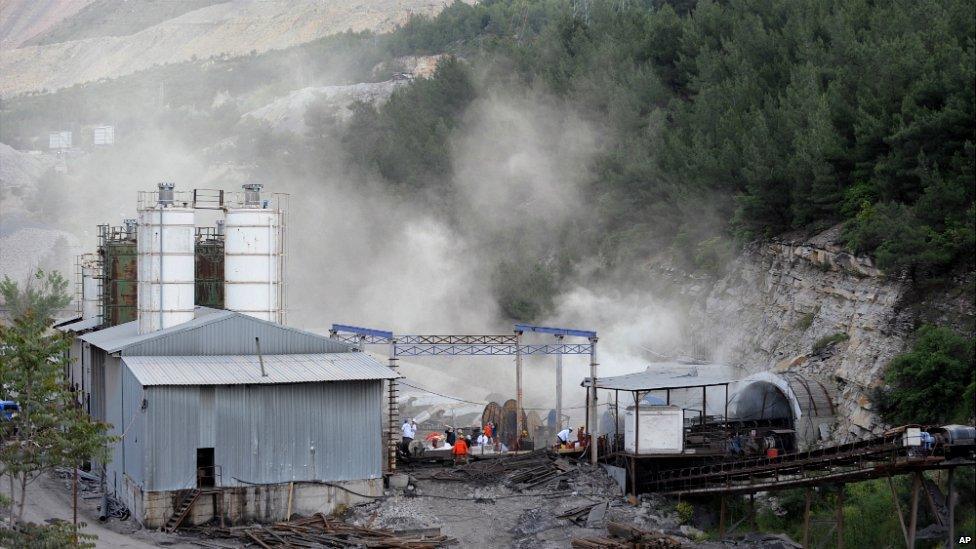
(91, 287)
(661, 430)
(165, 246)
(253, 262)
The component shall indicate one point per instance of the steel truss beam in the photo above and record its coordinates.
(453, 345)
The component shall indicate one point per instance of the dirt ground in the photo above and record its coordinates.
(49, 498)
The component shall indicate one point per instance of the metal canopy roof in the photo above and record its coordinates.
(653, 379)
(246, 369)
(80, 325)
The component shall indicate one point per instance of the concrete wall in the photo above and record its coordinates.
(245, 504)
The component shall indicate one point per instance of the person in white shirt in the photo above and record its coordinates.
(563, 436)
(408, 434)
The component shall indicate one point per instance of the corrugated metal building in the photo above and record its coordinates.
(194, 411)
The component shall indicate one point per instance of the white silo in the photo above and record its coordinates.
(253, 259)
(165, 260)
(91, 286)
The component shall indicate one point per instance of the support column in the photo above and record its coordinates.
(559, 385)
(721, 519)
(637, 417)
(393, 435)
(725, 418)
(901, 517)
(950, 510)
(840, 518)
(807, 496)
(913, 520)
(704, 405)
(518, 390)
(752, 512)
(593, 404)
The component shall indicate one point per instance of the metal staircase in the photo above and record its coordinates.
(182, 510)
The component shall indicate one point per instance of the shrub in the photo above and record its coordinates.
(934, 382)
(685, 512)
(827, 341)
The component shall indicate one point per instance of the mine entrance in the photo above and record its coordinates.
(205, 468)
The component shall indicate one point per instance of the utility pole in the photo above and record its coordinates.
(559, 385)
(518, 390)
(394, 411)
(594, 452)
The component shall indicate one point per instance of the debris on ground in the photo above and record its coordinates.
(627, 536)
(319, 530)
(521, 472)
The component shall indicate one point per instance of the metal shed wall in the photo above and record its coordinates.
(235, 335)
(124, 414)
(265, 434)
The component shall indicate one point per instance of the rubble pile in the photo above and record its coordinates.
(319, 531)
(626, 536)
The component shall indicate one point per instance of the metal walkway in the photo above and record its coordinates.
(863, 460)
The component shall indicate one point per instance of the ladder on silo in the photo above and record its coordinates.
(182, 510)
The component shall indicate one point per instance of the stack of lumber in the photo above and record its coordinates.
(319, 531)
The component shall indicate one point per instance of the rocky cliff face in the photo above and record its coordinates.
(813, 308)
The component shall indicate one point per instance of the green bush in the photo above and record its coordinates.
(827, 341)
(57, 535)
(934, 383)
(685, 512)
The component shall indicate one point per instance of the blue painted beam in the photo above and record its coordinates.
(555, 331)
(345, 328)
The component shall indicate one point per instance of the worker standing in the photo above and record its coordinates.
(408, 434)
(460, 450)
(489, 431)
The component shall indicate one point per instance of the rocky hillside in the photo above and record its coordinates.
(811, 307)
(229, 28)
(22, 20)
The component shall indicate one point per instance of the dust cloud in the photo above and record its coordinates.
(360, 253)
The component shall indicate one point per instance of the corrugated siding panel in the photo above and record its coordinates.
(235, 335)
(97, 364)
(134, 443)
(172, 434)
(114, 416)
(268, 434)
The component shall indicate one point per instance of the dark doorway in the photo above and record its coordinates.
(205, 468)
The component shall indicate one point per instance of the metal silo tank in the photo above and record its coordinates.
(210, 267)
(91, 286)
(165, 246)
(117, 247)
(253, 259)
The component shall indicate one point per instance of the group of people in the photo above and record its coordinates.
(456, 440)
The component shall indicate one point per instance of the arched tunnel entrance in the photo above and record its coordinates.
(784, 402)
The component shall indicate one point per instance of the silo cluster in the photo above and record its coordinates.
(157, 268)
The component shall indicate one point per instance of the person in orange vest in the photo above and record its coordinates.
(460, 450)
(489, 431)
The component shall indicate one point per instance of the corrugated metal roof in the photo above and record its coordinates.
(213, 332)
(246, 369)
(118, 337)
(657, 376)
(81, 325)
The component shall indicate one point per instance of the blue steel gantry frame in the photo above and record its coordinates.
(478, 345)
